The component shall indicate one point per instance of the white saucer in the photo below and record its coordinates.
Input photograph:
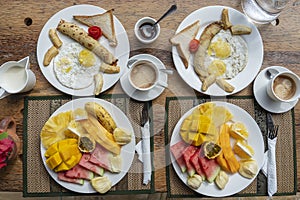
(144, 95)
(261, 96)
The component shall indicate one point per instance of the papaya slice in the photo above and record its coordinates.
(228, 155)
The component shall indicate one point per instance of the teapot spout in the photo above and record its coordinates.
(25, 62)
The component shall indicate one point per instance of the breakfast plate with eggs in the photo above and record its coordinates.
(235, 58)
(72, 70)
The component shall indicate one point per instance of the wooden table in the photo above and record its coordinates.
(22, 21)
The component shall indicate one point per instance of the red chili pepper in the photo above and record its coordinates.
(95, 32)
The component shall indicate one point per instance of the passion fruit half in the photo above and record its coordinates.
(211, 150)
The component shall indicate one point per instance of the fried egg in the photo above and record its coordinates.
(227, 55)
(75, 66)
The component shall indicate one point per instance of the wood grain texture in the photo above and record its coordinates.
(18, 39)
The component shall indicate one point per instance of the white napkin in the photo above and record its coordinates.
(143, 150)
(269, 167)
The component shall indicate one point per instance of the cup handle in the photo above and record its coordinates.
(162, 84)
(3, 93)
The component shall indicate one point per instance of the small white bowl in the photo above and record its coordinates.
(137, 30)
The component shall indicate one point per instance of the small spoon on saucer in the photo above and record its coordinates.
(271, 73)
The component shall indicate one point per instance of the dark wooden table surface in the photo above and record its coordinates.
(22, 21)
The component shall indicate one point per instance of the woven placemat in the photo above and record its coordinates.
(36, 179)
(285, 148)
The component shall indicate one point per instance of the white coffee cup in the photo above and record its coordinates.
(284, 87)
(144, 75)
(16, 77)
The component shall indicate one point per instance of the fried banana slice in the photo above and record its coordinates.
(222, 83)
(50, 54)
(209, 32)
(208, 81)
(109, 69)
(54, 38)
(240, 29)
(98, 79)
(225, 19)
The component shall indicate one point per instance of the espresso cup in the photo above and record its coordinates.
(144, 75)
(284, 87)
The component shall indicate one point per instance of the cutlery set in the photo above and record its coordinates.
(269, 167)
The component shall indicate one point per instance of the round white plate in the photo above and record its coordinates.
(236, 182)
(121, 51)
(206, 16)
(261, 96)
(127, 151)
(144, 95)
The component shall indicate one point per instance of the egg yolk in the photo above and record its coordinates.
(86, 58)
(217, 67)
(220, 48)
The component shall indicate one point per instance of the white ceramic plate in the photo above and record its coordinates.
(121, 51)
(261, 96)
(206, 16)
(236, 182)
(127, 151)
(144, 95)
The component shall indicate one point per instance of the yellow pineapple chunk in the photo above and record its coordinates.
(243, 150)
(54, 129)
(238, 131)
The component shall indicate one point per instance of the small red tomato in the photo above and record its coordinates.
(194, 44)
(95, 32)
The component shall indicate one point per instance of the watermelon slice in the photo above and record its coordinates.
(187, 154)
(61, 176)
(177, 151)
(210, 167)
(79, 172)
(84, 162)
(195, 162)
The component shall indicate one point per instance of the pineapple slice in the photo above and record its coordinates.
(55, 128)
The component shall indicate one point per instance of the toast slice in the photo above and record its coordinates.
(105, 21)
(182, 41)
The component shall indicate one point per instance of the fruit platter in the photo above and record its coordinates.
(217, 149)
(87, 145)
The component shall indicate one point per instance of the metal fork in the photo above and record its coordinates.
(272, 132)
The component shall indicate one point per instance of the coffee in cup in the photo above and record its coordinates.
(284, 87)
(144, 75)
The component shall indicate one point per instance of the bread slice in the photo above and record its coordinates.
(105, 21)
(182, 41)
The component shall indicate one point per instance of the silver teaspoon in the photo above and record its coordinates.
(271, 73)
(150, 28)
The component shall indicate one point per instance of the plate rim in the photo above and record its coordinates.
(87, 186)
(178, 62)
(121, 36)
(175, 136)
